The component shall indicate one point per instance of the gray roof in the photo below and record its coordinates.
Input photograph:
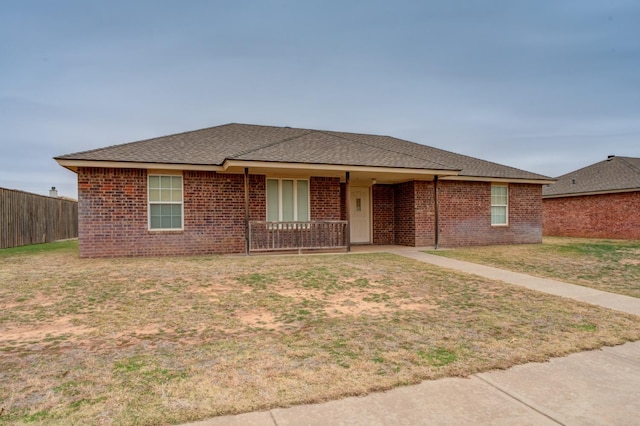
(611, 175)
(214, 145)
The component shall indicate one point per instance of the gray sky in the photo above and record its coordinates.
(548, 86)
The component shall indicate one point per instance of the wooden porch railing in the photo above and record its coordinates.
(313, 235)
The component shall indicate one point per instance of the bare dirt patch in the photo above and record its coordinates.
(259, 318)
(56, 328)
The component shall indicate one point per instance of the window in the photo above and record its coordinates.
(287, 200)
(499, 204)
(165, 202)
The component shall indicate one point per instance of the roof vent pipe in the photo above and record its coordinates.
(53, 192)
(609, 157)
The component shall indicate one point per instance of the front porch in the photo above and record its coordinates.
(310, 237)
(339, 214)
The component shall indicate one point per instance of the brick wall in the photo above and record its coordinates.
(214, 209)
(465, 214)
(324, 197)
(113, 215)
(404, 217)
(593, 216)
(111, 205)
(404, 214)
(425, 214)
(383, 214)
(113, 209)
(257, 197)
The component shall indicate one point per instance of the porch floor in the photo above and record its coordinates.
(374, 248)
(357, 248)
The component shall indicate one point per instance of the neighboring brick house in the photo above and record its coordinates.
(240, 188)
(598, 201)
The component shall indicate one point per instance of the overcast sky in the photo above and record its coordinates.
(548, 86)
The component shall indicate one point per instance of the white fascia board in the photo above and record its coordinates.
(75, 164)
(580, 194)
(336, 167)
(499, 180)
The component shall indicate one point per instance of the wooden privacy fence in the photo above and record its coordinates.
(31, 219)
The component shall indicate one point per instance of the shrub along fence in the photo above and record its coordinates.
(31, 219)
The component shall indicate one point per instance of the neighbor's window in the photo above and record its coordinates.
(499, 204)
(287, 200)
(165, 202)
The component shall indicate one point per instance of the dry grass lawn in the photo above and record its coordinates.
(168, 340)
(607, 265)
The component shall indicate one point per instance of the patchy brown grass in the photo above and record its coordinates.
(167, 340)
(607, 265)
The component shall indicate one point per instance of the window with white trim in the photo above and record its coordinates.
(499, 205)
(287, 200)
(165, 202)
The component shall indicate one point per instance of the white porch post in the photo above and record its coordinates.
(347, 209)
(246, 211)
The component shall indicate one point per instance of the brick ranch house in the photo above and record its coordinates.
(598, 201)
(239, 188)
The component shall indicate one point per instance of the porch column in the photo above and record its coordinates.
(437, 211)
(246, 211)
(347, 202)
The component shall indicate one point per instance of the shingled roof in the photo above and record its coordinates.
(245, 142)
(615, 174)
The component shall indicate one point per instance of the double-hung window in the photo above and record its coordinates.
(287, 200)
(499, 205)
(165, 202)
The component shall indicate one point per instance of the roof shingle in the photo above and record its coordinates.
(613, 174)
(214, 145)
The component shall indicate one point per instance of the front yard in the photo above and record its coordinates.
(607, 265)
(168, 340)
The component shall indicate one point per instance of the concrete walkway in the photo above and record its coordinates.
(617, 302)
(600, 387)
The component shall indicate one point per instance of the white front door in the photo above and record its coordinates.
(359, 212)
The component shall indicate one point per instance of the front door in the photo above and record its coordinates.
(359, 212)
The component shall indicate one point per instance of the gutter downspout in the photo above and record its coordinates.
(437, 212)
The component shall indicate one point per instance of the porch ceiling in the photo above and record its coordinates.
(368, 178)
(363, 176)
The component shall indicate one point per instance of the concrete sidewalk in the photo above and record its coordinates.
(600, 387)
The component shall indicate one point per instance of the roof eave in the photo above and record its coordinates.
(73, 165)
(229, 164)
(542, 181)
(579, 194)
